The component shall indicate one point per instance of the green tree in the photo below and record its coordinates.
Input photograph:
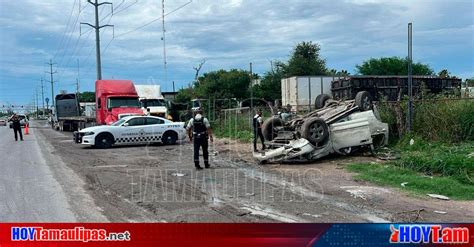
(392, 66)
(87, 97)
(470, 82)
(223, 84)
(305, 60)
(334, 72)
(444, 74)
(270, 85)
(184, 95)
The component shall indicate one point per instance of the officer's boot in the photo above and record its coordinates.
(198, 167)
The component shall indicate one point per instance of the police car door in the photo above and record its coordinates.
(156, 128)
(134, 132)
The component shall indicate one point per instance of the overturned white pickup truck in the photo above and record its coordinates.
(336, 127)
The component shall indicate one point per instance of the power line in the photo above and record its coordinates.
(65, 29)
(152, 21)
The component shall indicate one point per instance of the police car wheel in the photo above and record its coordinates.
(169, 138)
(104, 140)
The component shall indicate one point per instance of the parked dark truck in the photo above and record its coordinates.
(67, 115)
(115, 99)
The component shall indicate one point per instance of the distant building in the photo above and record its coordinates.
(169, 95)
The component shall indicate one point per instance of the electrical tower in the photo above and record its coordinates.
(52, 81)
(97, 28)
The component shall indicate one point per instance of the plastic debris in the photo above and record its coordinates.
(412, 142)
(178, 174)
(440, 212)
(441, 197)
(403, 184)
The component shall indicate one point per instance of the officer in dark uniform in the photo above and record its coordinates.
(199, 130)
(257, 130)
(16, 126)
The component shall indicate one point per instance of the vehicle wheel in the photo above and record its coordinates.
(363, 101)
(321, 100)
(345, 151)
(104, 140)
(269, 128)
(315, 130)
(169, 138)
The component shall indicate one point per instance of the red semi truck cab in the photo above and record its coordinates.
(115, 99)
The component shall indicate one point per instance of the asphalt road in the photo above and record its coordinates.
(29, 187)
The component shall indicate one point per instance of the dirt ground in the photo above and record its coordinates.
(156, 183)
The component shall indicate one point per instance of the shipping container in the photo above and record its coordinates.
(301, 91)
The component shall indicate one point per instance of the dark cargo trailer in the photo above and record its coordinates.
(389, 86)
(68, 114)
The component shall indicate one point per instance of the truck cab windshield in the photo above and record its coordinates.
(122, 102)
(153, 102)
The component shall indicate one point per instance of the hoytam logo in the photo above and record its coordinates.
(74, 234)
(435, 234)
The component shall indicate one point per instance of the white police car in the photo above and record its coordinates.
(132, 130)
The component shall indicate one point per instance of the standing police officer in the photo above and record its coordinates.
(16, 126)
(257, 130)
(199, 130)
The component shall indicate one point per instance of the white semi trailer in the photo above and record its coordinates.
(151, 98)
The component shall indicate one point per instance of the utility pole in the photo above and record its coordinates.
(410, 82)
(36, 101)
(251, 88)
(42, 94)
(52, 81)
(164, 39)
(97, 28)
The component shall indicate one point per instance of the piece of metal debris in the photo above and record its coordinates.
(178, 174)
(403, 184)
(441, 197)
(440, 212)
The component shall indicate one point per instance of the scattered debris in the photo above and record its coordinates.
(364, 191)
(440, 212)
(249, 194)
(441, 197)
(312, 215)
(408, 216)
(403, 184)
(387, 154)
(425, 176)
(412, 142)
(177, 174)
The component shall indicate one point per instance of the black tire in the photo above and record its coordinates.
(269, 128)
(315, 130)
(320, 100)
(169, 138)
(363, 101)
(104, 140)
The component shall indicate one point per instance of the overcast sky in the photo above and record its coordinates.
(227, 33)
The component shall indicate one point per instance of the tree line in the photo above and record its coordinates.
(304, 60)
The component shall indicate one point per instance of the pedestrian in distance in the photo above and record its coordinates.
(257, 130)
(199, 131)
(16, 126)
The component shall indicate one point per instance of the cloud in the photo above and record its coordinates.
(228, 34)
